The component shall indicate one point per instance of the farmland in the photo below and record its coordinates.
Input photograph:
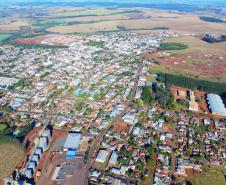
(148, 19)
(10, 155)
(97, 19)
(4, 37)
(203, 57)
(10, 26)
(89, 12)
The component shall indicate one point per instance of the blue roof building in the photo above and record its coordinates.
(71, 154)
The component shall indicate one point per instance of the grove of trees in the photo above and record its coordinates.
(191, 83)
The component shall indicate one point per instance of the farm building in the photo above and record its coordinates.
(73, 141)
(102, 156)
(216, 104)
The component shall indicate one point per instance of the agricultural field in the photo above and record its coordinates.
(89, 12)
(205, 58)
(11, 154)
(11, 26)
(96, 19)
(144, 19)
(210, 175)
(49, 40)
(4, 37)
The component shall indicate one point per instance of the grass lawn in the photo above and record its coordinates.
(4, 36)
(3, 127)
(152, 79)
(210, 175)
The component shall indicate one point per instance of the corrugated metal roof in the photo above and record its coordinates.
(102, 156)
(113, 158)
(73, 140)
(216, 104)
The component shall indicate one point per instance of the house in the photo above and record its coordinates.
(130, 119)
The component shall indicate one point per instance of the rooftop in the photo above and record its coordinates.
(73, 140)
(216, 104)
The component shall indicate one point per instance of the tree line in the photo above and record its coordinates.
(191, 83)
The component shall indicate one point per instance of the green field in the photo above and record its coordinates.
(4, 36)
(172, 46)
(95, 12)
(210, 176)
(50, 21)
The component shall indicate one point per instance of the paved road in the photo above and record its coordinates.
(96, 143)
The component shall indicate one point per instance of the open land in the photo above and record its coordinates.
(205, 58)
(210, 175)
(95, 19)
(10, 156)
(150, 19)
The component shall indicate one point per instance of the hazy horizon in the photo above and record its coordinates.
(191, 2)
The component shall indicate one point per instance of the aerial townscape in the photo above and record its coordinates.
(112, 92)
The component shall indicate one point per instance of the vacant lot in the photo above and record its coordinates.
(210, 175)
(10, 155)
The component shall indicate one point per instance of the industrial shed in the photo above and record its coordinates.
(102, 156)
(113, 159)
(216, 104)
(73, 141)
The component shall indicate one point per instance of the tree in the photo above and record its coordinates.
(148, 96)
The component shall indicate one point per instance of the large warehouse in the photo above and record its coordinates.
(73, 141)
(216, 104)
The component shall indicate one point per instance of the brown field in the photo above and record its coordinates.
(201, 60)
(50, 39)
(98, 18)
(12, 25)
(196, 44)
(187, 23)
(10, 156)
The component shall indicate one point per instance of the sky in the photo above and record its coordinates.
(195, 2)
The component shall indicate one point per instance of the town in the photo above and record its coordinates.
(91, 111)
